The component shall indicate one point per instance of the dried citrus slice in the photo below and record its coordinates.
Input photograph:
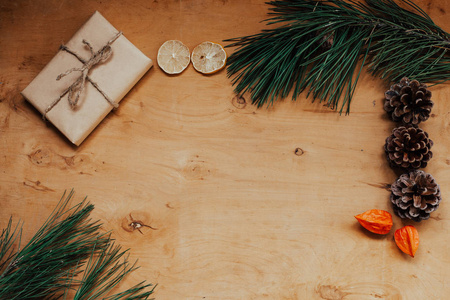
(173, 57)
(208, 57)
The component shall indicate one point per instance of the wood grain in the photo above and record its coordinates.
(248, 203)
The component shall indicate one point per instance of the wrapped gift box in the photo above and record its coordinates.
(108, 79)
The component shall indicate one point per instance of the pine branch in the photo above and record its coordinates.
(7, 240)
(67, 246)
(318, 45)
(104, 271)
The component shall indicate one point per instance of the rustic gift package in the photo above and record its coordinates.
(87, 78)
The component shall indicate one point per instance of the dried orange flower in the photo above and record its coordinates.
(376, 221)
(407, 239)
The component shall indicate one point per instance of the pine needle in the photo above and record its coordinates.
(318, 45)
(67, 246)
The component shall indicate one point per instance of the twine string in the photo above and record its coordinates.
(76, 88)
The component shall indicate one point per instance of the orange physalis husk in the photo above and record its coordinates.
(376, 221)
(407, 239)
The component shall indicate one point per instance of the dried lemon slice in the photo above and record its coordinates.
(173, 57)
(208, 57)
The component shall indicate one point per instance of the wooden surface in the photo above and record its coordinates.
(249, 203)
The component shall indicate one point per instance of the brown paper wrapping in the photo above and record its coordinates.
(115, 76)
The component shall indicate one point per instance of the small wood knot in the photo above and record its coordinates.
(239, 102)
(130, 224)
(330, 292)
(298, 151)
(69, 160)
(137, 225)
(40, 157)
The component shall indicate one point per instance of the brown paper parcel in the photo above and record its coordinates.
(114, 76)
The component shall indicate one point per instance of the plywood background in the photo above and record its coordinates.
(249, 203)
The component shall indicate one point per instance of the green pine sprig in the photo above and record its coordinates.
(67, 247)
(318, 46)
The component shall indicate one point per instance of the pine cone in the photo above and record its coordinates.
(408, 102)
(408, 147)
(415, 195)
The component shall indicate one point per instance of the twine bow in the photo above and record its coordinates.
(76, 88)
